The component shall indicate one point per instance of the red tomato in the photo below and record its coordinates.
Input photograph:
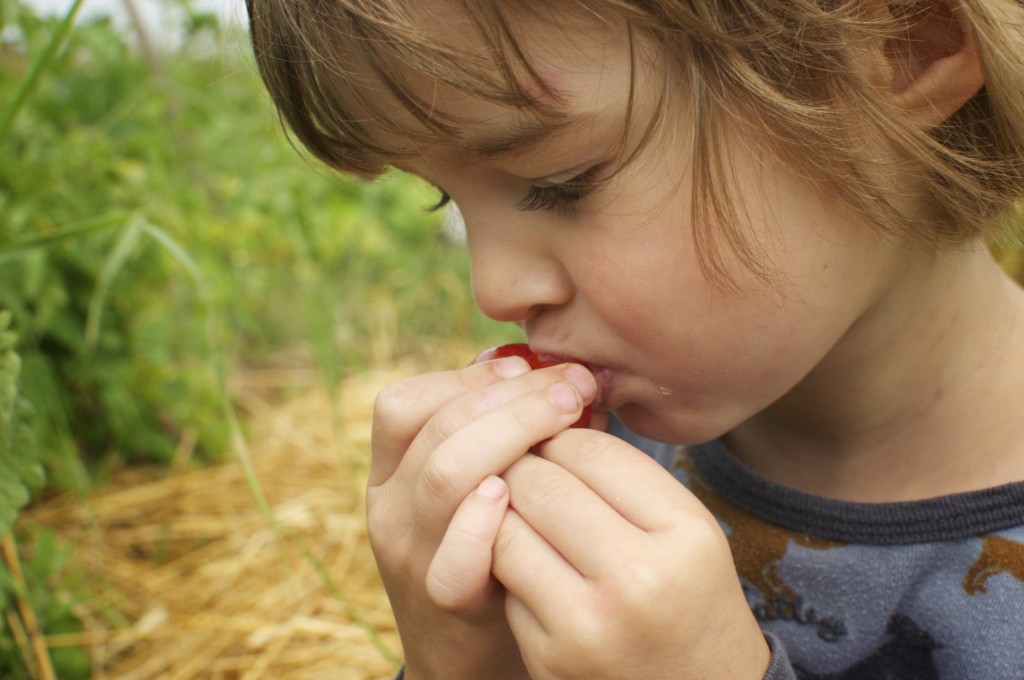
(518, 349)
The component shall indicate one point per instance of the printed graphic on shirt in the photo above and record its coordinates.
(914, 610)
(758, 548)
(792, 608)
(998, 556)
(905, 655)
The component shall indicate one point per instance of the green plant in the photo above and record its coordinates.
(20, 470)
(149, 221)
(33, 604)
(110, 376)
(156, 231)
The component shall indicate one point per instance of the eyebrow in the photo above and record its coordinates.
(520, 138)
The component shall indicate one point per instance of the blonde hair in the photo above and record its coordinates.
(791, 71)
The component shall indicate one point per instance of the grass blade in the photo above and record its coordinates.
(112, 266)
(15, 249)
(31, 81)
(239, 445)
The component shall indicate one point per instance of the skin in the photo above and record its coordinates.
(514, 547)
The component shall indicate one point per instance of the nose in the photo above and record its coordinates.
(516, 271)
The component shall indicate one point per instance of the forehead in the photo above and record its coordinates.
(487, 86)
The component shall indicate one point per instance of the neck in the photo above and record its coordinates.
(917, 399)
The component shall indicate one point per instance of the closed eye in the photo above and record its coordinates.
(563, 196)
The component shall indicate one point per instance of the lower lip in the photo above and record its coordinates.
(603, 376)
(605, 388)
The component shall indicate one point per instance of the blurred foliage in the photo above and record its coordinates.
(53, 612)
(154, 217)
(157, 230)
(20, 469)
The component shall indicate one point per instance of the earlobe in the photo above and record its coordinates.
(934, 64)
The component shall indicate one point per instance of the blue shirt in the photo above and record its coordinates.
(922, 590)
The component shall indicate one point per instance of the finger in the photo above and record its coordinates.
(403, 407)
(465, 409)
(489, 444)
(629, 480)
(581, 525)
(459, 577)
(528, 631)
(533, 572)
(522, 621)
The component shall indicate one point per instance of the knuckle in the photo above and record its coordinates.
(441, 476)
(505, 542)
(405, 405)
(393, 403)
(469, 538)
(384, 525)
(701, 532)
(449, 420)
(591, 450)
(471, 378)
(641, 586)
(544, 490)
(445, 592)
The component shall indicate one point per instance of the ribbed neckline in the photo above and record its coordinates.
(943, 518)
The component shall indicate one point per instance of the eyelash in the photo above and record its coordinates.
(562, 197)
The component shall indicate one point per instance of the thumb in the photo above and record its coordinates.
(459, 577)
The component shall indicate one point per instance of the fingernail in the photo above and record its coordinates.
(564, 397)
(511, 367)
(582, 379)
(491, 488)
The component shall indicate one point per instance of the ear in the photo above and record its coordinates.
(934, 63)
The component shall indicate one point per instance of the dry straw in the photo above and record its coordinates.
(192, 580)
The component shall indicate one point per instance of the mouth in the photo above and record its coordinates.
(604, 378)
(603, 375)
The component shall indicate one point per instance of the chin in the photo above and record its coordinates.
(682, 429)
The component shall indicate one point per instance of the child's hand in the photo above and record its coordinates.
(434, 504)
(614, 570)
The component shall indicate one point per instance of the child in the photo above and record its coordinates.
(762, 226)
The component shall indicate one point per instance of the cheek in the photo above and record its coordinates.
(636, 271)
(651, 299)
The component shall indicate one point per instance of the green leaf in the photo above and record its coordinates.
(176, 251)
(20, 470)
(18, 249)
(30, 83)
(112, 266)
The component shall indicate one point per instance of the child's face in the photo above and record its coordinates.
(613, 277)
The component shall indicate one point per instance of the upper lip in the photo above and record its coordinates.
(556, 355)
